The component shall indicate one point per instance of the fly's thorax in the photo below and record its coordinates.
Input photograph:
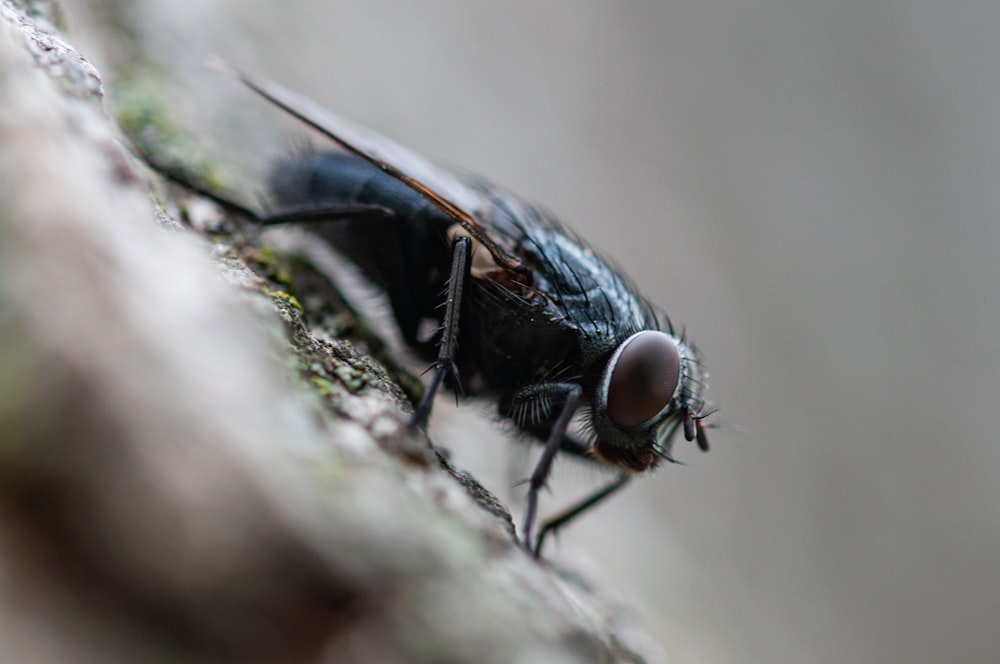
(650, 386)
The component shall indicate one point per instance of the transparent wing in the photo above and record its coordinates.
(442, 188)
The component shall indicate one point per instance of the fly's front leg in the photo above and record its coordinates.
(460, 261)
(567, 515)
(569, 394)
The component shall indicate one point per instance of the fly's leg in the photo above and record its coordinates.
(560, 520)
(461, 253)
(569, 394)
(460, 263)
(287, 215)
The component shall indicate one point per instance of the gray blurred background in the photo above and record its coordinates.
(810, 187)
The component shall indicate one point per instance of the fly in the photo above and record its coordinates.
(532, 317)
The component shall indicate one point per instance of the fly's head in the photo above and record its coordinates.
(651, 387)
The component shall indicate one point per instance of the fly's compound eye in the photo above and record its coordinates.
(644, 375)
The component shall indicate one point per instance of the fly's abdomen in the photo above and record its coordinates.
(405, 253)
(341, 178)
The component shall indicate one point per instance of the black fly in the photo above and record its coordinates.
(533, 316)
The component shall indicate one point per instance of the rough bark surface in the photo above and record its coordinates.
(196, 467)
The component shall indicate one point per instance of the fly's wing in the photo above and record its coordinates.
(457, 200)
